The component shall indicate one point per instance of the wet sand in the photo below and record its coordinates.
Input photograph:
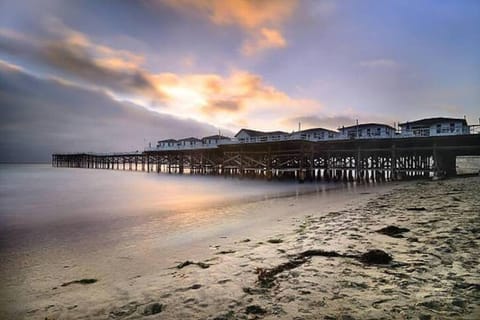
(435, 272)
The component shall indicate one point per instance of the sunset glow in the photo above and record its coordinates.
(239, 159)
(191, 68)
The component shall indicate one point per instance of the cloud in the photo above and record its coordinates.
(42, 116)
(246, 14)
(229, 106)
(228, 99)
(208, 97)
(260, 20)
(379, 63)
(266, 39)
(75, 54)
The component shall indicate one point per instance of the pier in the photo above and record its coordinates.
(337, 160)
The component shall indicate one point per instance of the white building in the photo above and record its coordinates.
(315, 134)
(366, 131)
(165, 144)
(248, 135)
(434, 127)
(189, 142)
(214, 140)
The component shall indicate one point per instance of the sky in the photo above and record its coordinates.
(115, 75)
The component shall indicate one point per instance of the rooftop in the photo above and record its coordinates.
(318, 129)
(190, 139)
(256, 133)
(167, 140)
(363, 125)
(430, 121)
(216, 137)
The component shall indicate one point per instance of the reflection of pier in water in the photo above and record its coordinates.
(348, 160)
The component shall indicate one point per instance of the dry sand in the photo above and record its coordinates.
(435, 273)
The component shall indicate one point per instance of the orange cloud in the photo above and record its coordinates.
(260, 20)
(208, 97)
(266, 39)
(228, 99)
(248, 14)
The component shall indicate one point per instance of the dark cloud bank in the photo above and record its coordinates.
(39, 117)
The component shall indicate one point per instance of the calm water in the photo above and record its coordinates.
(38, 202)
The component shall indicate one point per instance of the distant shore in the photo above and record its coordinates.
(434, 273)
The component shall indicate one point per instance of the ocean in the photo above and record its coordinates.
(40, 204)
(62, 224)
(33, 195)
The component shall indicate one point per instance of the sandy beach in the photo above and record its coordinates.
(434, 274)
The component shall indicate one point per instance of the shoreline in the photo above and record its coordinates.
(322, 287)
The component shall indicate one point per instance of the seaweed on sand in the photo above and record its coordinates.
(202, 265)
(81, 281)
(266, 276)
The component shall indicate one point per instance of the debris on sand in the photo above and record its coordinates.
(393, 231)
(192, 287)
(226, 252)
(274, 241)
(266, 276)
(375, 257)
(322, 253)
(416, 209)
(81, 281)
(153, 308)
(184, 264)
(124, 311)
(252, 291)
(255, 309)
(230, 315)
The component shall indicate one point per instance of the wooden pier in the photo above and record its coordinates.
(347, 160)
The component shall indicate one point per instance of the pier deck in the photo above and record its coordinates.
(356, 159)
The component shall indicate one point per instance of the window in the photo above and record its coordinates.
(439, 128)
(422, 132)
(452, 127)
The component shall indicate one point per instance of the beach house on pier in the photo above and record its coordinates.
(166, 144)
(419, 128)
(315, 134)
(190, 142)
(434, 127)
(211, 141)
(366, 131)
(253, 136)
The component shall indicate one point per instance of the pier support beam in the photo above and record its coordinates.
(445, 164)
